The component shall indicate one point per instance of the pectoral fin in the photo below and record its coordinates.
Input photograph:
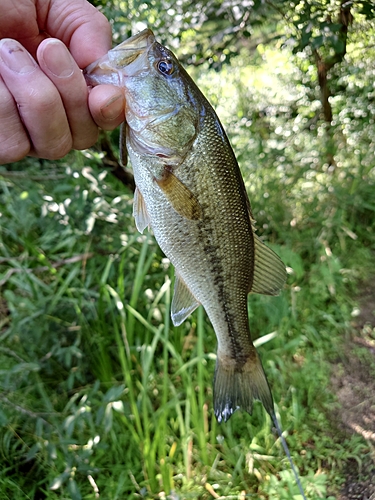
(269, 271)
(141, 217)
(183, 302)
(179, 196)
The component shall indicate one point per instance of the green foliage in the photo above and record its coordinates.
(100, 396)
(319, 24)
(215, 31)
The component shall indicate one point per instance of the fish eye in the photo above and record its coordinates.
(166, 67)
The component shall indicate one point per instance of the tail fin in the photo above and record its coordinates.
(237, 386)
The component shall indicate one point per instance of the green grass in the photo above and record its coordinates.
(99, 391)
(102, 398)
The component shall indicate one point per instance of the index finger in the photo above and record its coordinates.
(38, 101)
(84, 29)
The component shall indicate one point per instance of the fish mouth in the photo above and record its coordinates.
(123, 60)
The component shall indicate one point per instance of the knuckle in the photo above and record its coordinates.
(13, 149)
(50, 134)
(57, 147)
(43, 102)
(14, 142)
(101, 22)
(87, 141)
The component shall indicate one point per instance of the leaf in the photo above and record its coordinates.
(338, 44)
(21, 368)
(33, 452)
(108, 418)
(3, 419)
(59, 480)
(74, 490)
(368, 9)
(317, 42)
(114, 393)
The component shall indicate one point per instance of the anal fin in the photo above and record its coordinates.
(183, 302)
(269, 271)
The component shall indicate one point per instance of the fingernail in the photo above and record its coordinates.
(113, 108)
(57, 59)
(16, 57)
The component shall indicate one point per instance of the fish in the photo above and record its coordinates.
(190, 192)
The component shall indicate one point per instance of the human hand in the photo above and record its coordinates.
(44, 109)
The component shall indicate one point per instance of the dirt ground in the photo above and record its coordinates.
(354, 383)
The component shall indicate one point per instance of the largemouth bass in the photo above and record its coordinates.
(191, 193)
